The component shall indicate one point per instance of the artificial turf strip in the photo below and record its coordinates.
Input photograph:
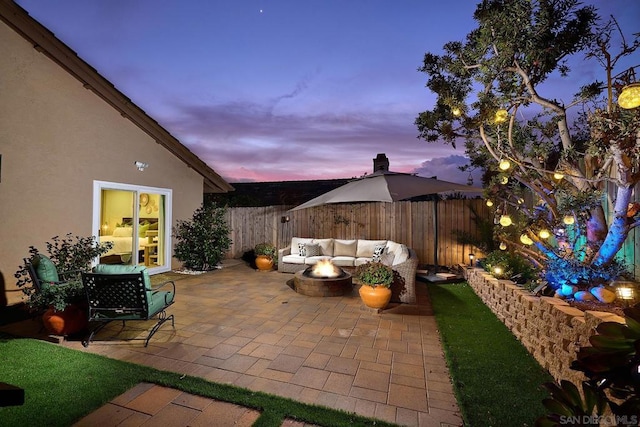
(496, 381)
(63, 385)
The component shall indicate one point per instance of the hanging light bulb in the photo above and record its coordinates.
(558, 176)
(630, 96)
(456, 111)
(544, 233)
(497, 270)
(520, 200)
(504, 180)
(501, 116)
(568, 219)
(489, 203)
(526, 239)
(504, 165)
(505, 220)
(503, 246)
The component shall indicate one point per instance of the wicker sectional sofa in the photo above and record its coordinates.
(348, 254)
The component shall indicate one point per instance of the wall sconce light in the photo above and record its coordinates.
(141, 165)
(284, 219)
(471, 257)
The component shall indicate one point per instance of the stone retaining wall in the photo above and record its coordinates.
(548, 327)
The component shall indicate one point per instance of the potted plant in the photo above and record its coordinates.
(266, 256)
(376, 279)
(62, 301)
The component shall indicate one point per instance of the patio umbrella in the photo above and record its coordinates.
(386, 186)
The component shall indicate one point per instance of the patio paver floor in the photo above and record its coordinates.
(244, 327)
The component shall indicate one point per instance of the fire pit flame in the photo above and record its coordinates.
(325, 268)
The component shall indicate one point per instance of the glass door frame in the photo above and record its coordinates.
(99, 186)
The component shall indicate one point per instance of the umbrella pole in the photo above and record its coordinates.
(435, 234)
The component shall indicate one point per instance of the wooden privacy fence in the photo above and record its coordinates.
(411, 223)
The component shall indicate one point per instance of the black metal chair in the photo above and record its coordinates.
(43, 272)
(126, 296)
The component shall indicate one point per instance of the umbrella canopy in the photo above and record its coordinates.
(385, 186)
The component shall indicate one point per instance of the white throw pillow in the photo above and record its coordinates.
(302, 249)
(393, 247)
(378, 251)
(387, 259)
(366, 247)
(295, 249)
(401, 256)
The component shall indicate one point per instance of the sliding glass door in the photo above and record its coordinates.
(137, 222)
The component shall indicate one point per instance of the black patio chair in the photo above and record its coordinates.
(43, 272)
(113, 294)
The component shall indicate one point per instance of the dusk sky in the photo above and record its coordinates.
(279, 90)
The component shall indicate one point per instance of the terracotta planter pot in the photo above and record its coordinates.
(375, 297)
(70, 321)
(264, 263)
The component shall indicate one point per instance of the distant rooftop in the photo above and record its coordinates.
(285, 193)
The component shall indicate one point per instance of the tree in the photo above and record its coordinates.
(547, 169)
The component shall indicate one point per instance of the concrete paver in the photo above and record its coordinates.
(248, 328)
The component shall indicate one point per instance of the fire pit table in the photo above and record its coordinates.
(316, 281)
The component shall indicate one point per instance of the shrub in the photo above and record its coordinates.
(612, 368)
(202, 242)
(68, 254)
(511, 265)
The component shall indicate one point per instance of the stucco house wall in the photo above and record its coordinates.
(56, 138)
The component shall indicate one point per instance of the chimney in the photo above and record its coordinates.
(380, 163)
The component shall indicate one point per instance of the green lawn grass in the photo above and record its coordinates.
(63, 385)
(496, 381)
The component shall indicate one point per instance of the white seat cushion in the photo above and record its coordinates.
(344, 261)
(362, 260)
(293, 259)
